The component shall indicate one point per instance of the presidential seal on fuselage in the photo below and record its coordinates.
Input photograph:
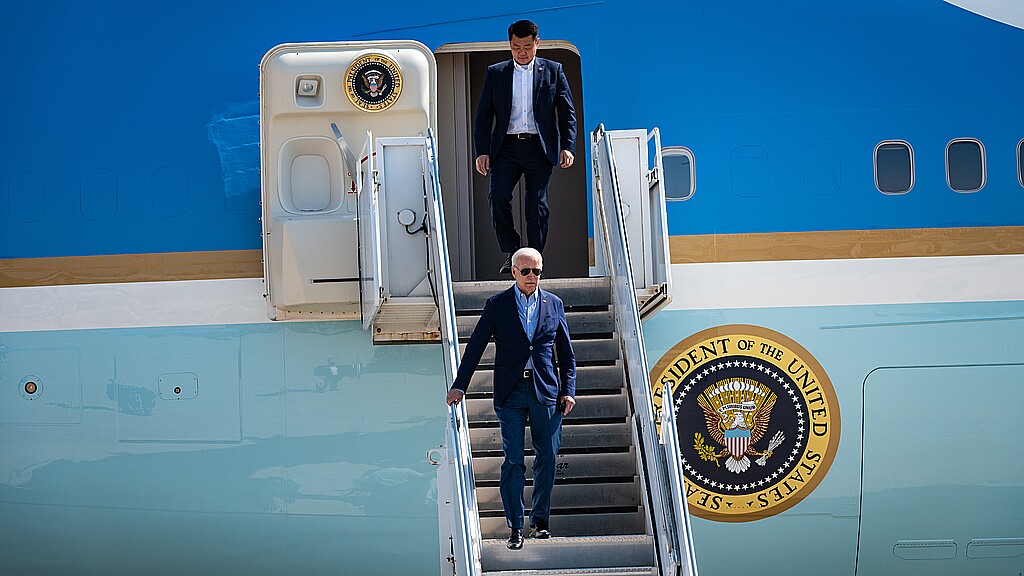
(757, 417)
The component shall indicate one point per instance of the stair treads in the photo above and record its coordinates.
(606, 407)
(568, 467)
(573, 292)
(601, 524)
(572, 496)
(605, 350)
(571, 553)
(588, 378)
(573, 436)
(580, 323)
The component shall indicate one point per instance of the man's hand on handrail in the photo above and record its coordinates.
(454, 396)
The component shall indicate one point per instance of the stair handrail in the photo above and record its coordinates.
(672, 536)
(670, 451)
(467, 548)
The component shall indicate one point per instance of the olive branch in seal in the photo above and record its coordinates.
(706, 452)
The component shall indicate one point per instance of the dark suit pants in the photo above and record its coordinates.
(546, 431)
(519, 158)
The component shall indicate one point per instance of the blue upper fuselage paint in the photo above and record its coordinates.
(132, 128)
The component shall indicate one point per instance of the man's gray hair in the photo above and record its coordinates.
(527, 252)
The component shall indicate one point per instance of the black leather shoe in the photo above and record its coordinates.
(506, 268)
(515, 540)
(540, 530)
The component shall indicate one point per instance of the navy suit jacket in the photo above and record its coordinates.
(500, 319)
(550, 93)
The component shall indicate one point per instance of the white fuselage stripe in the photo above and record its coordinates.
(847, 282)
(131, 305)
(695, 287)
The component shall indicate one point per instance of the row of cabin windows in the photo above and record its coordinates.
(893, 163)
(965, 166)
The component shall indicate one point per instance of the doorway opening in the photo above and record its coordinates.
(472, 245)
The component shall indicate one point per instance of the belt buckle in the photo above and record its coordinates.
(524, 135)
(527, 374)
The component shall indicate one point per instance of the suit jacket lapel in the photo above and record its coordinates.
(512, 295)
(538, 73)
(542, 303)
(506, 79)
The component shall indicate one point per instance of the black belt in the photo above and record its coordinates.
(523, 136)
(528, 374)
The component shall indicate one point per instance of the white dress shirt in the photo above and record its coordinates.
(522, 119)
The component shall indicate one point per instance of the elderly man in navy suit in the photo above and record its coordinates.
(518, 133)
(529, 327)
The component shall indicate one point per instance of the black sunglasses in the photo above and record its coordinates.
(528, 271)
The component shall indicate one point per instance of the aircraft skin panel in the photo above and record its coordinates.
(261, 448)
(853, 343)
(138, 155)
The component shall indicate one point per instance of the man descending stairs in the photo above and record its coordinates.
(599, 518)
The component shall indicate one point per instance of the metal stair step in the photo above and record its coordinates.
(585, 552)
(593, 350)
(601, 524)
(572, 496)
(605, 406)
(620, 571)
(574, 292)
(601, 377)
(567, 466)
(580, 323)
(574, 436)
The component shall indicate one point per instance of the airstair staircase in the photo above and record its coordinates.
(618, 506)
(598, 510)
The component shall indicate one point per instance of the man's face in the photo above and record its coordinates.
(523, 49)
(527, 282)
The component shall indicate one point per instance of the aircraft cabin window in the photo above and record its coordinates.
(894, 167)
(1020, 162)
(680, 174)
(965, 165)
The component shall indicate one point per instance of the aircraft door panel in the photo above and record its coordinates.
(311, 96)
(623, 164)
(942, 477)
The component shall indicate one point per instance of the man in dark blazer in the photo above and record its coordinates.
(525, 125)
(529, 327)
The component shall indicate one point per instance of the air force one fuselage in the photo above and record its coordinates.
(845, 214)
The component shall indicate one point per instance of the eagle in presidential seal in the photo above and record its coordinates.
(757, 420)
(737, 413)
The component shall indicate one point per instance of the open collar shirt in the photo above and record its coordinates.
(529, 310)
(522, 120)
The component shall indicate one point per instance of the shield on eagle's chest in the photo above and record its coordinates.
(737, 442)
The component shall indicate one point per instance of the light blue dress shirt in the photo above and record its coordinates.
(529, 310)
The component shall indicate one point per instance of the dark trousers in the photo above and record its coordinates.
(546, 432)
(519, 158)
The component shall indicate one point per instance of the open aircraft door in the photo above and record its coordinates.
(347, 236)
(623, 157)
(371, 287)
